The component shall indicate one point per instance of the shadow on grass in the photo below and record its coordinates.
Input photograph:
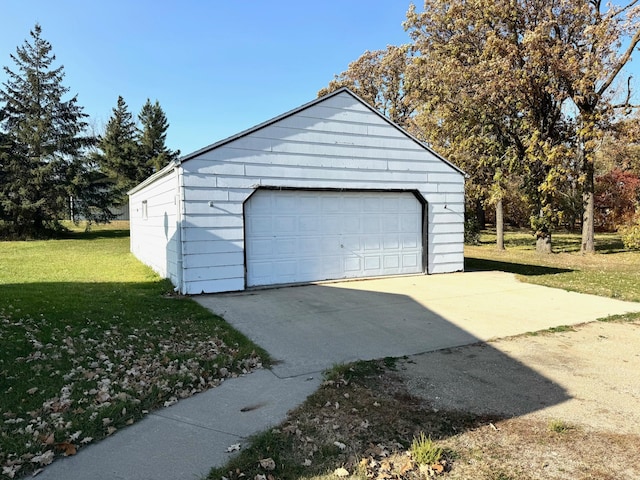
(482, 265)
(94, 234)
(562, 241)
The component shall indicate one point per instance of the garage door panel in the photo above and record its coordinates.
(331, 205)
(391, 261)
(284, 224)
(409, 241)
(372, 264)
(331, 223)
(371, 225)
(372, 243)
(286, 247)
(409, 223)
(390, 223)
(371, 204)
(351, 243)
(302, 236)
(308, 225)
(258, 226)
(332, 266)
(331, 245)
(390, 205)
(350, 224)
(391, 242)
(309, 246)
(352, 264)
(410, 261)
(352, 205)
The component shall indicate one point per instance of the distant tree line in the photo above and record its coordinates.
(527, 97)
(51, 167)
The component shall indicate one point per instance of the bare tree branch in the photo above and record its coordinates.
(621, 63)
(614, 13)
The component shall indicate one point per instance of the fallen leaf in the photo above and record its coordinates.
(68, 448)
(340, 445)
(43, 459)
(111, 430)
(10, 471)
(268, 463)
(405, 467)
(171, 401)
(33, 390)
(233, 448)
(437, 467)
(341, 472)
(307, 462)
(260, 476)
(49, 440)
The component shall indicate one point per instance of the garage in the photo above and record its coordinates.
(295, 236)
(329, 190)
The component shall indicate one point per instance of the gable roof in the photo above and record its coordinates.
(301, 108)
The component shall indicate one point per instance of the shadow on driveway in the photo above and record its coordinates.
(308, 329)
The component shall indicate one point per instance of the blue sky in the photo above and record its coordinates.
(217, 66)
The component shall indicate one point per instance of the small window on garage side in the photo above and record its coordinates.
(145, 212)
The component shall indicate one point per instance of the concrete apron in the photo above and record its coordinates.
(313, 327)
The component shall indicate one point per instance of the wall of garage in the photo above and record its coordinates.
(336, 143)
(154, 223)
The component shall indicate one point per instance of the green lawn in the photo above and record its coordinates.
(612, 272)
(91, 340)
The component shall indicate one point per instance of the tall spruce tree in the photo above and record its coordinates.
(153, 136)
(120, 158)
(43, 138)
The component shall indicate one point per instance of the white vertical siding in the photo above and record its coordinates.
(337, 143)
(154, 237)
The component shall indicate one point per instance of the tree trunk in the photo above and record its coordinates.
(499, 225)
(543, 242)
(587, 145)
(588, 225)
(480, 214)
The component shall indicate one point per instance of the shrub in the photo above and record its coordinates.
(616, 198)
(630, 233)
(471, 231)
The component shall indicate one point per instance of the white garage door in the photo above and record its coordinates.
(301, 236)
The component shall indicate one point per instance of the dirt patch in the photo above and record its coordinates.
(588, 376)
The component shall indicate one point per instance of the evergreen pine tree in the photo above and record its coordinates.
(43, 137)
(153, 136)
(120, 158)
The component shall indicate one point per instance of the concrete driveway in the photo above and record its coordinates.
(310, 328)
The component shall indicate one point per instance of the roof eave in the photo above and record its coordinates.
(166, 170)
